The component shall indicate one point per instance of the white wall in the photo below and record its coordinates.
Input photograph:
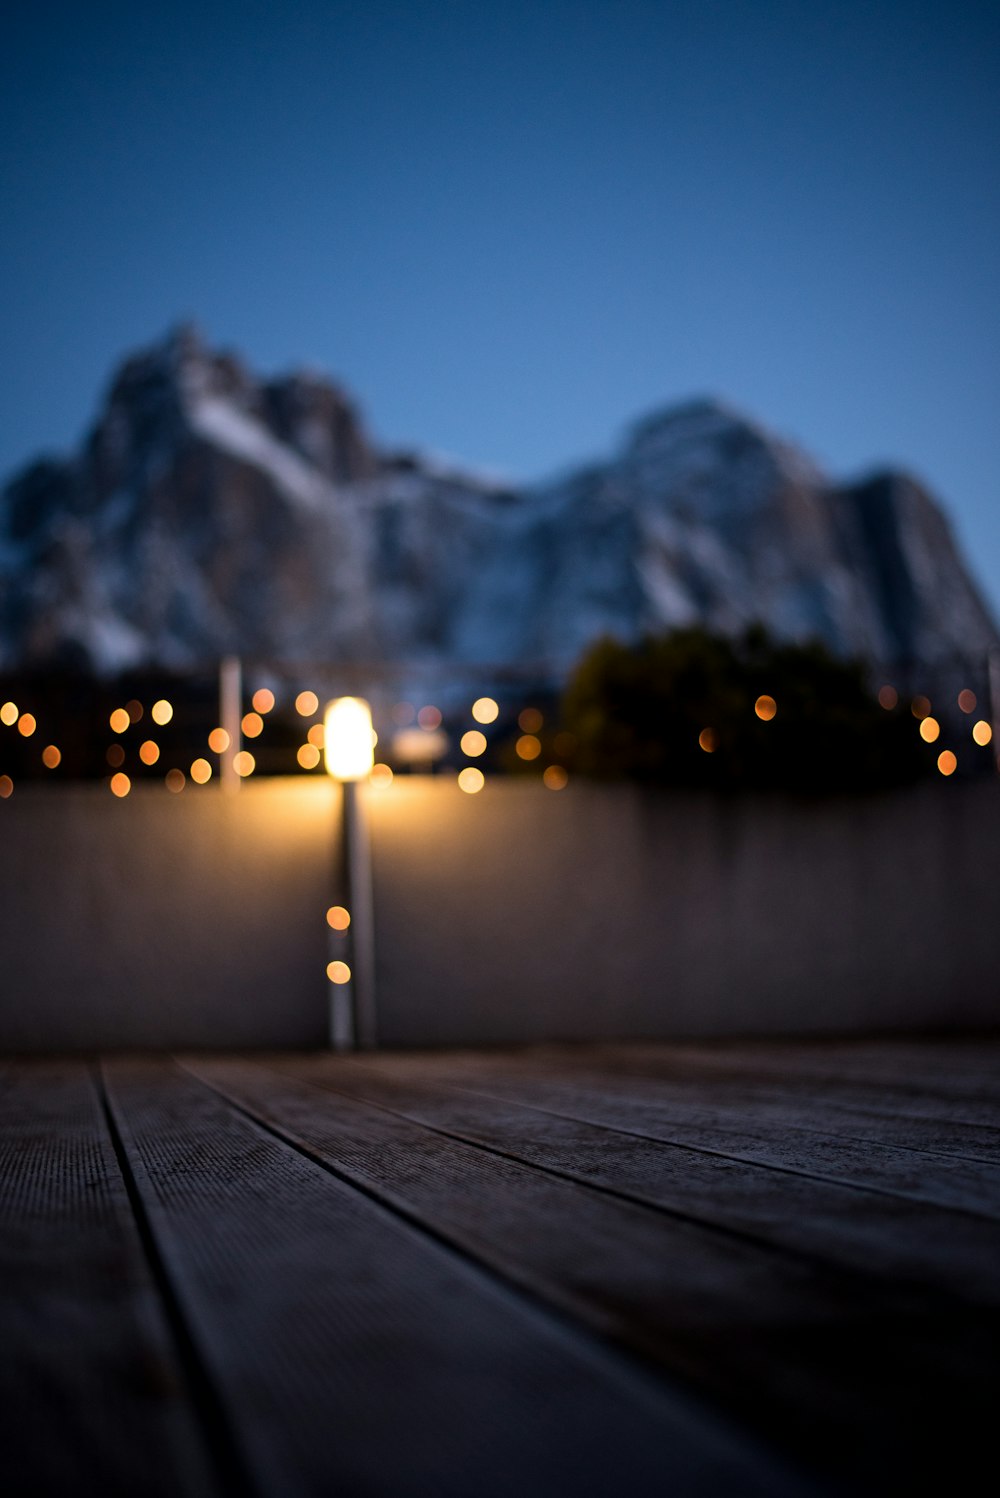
(512, 916)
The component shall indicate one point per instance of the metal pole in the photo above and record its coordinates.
(360, 903)
(230, 711)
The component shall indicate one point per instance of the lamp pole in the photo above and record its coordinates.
(348, 748)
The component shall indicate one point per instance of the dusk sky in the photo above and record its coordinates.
(511, 227)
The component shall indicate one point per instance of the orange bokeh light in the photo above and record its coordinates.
(306, 703)
(149, 752)
(252, 725)
(120, 784)
(201, 772)
(765, 707)
(338, 917)
(51, 757)
(263, 700)
(555, 778)
(528, 747)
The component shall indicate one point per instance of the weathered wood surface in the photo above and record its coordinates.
(93, 1396)
(697, 1270)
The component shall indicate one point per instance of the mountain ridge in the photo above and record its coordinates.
(208, 511)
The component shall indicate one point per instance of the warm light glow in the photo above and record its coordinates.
(473, 743)
(419, 746)
(338, 917)
(316, 735)
(115, 756)
(930, 729)
(982, 732)
(9, 716)
(348, 738)
(6, 786)
(134, 710)
(947, 763)
(920, 707)
(263, 700)
(308, 756)
(529, 720)
(528, 747)
(161, 712)
(338, 972)
(149, 752)
(51, 757)
(26, 725)
(888, 697)
(201, 771)
(555, 777)
(429, 717)
(967, 700)
(120, 784)
(471, 780)
(765, 707)
(708, 740)
(252, 725)
(218, 741)
(119, 720)
(485, 710)
(381, 776)
(175, 780)
(244, 763)
(306, 703)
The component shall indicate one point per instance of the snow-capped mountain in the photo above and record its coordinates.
(209, 512)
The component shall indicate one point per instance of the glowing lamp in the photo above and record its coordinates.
(347, 735)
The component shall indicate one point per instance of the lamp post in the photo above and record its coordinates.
(348, 748)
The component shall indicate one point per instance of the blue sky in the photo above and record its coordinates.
(511, 228)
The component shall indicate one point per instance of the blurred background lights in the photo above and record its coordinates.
(6, 786)
(381, 776)
(429, 717)
(134, 710)
(930, 730)
(9, 716)
(471, 780)
(306, 704)
(529, 720)
(201, 772)
(348, 738)
(555, 778)
(218, 741)
(119, 720)
(707, 740)
(26, 725)
(947, 762)
(149, 752)
(888, 697)
(528, 747)
(920, 707)
(485, 710)
(244, 763)
(161, 712)
(967, 700)
(338, 972)
(252, 725)
(115, 756)
(982, 732)
(317, 735)
(308, 756)
(175, 780)
(338, 918)
(765, 707)
(120, 784)
(473, 743)
(51, 757)
(262, 700)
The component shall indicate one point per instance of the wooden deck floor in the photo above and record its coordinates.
(563, 1273)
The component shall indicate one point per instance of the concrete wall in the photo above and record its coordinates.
(512, 916)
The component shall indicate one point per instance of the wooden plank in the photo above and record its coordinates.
(764, 1132)
(882, 1378)
(868, 1230)
(662, 1079)
(357, 1354)
(92, 1392)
